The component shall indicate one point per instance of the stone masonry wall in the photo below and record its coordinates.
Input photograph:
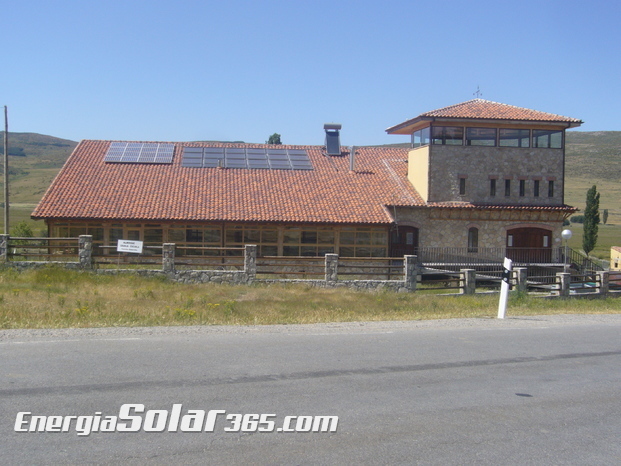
(447, 232)
(477, 164)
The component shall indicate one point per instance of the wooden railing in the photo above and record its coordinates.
(41, 249)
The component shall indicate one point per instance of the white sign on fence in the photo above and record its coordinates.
(125, 245)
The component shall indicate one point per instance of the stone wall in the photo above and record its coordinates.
(446, 228)
(477, 164)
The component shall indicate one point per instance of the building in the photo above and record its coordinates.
(478, 175)
(615, 258)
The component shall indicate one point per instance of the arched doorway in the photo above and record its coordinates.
(529, 245)
(403, 241)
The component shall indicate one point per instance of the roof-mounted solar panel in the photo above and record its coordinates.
(333, 138)
(139, 152)
(244, 157)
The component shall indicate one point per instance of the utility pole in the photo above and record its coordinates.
(6, 171)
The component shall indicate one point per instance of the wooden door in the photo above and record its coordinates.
(529, 245)
(403, 241)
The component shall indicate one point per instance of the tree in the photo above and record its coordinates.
(605, 216)
(591, 220)
(274, 139)
(22, 229)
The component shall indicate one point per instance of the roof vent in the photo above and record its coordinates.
(333, 139)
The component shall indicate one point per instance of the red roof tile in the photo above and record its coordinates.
(89, 188)
(480, 109)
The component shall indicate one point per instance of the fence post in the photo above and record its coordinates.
(168, 257)
(85, 251)
(4, 248)
(410, 265)
(603, 282)
(332, 266)
(564, 279)
(520, 274)
(250, 262)
(468, 281)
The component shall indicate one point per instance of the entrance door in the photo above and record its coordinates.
(529, 245)
(403, 241)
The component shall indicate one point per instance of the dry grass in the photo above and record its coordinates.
(58, 298)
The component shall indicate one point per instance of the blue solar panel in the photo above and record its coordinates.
(249, 158)
(139, 152)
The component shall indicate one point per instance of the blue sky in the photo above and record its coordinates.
(242, 70)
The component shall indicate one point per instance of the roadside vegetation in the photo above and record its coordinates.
(59, 298)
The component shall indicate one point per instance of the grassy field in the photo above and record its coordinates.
(608, 235)
(58, 298)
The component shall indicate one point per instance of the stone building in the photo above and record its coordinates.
(477, 175)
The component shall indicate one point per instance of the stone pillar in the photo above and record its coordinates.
(250, 262)
(168, 257)
(563, 279)
(410, 265)
(520, 279)
(4, 248)
(468, 281)
(603, 279)
(332, 266)
(85, 251)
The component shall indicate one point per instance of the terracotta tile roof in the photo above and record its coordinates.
(480, 109)
(616, 248)
(471, 205)
(88, 188)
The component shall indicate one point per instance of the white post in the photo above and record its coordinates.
(504, 288)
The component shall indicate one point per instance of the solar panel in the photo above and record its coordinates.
(333, 144)
(139, 152)
(249, 158)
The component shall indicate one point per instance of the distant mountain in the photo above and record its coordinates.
(37, 150)
(594, 154)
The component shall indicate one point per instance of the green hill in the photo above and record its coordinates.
(594, 158)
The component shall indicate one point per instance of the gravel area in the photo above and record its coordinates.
(338, 327)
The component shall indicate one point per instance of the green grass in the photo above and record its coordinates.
(59, 298)
(608, 235)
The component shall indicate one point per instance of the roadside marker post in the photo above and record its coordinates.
(505, 286)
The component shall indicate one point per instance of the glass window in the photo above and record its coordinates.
(115, 234)
(551, 188)
(449, 135)
(514, 138)
(420, 137)
(193, 235)
(548, 139)
(309, 237)
(462, 186)
(507, 188)
(211, 236)
(492, 187)
(269, 236)
(176, 236)
(536, 188)
(153, 235)
(292, 236)
(522, 188)
(251, 236)
(77, 230)
(473, 239)
(481, 136)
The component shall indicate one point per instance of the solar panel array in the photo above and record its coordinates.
(139, 152)
(241, 157)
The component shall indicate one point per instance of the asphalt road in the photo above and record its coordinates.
(541, 390)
